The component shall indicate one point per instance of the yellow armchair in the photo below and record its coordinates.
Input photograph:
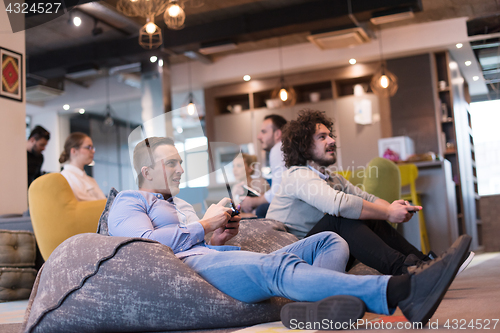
(57, 215)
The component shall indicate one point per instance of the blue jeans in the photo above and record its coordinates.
(308, 270)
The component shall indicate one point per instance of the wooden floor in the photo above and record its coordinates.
(472, 300)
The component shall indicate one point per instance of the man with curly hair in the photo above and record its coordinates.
(310, 200)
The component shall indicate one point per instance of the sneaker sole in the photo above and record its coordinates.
(466, 262)
(436, 295)
(335, 309)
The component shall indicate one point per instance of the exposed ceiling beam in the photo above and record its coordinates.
(295, 18)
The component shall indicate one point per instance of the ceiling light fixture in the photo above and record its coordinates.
(77, 21)
(191, 106)
(459, 45)
(66, 107)
(384, 83)
(174, 15)
(475, 78)
(284, 92)
(468, 63)
(160, 62)
(108, 120)
(81, 111)
(247, 77)
(153, 59)
(352, 61)
(150, 36)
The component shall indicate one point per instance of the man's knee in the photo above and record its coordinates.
(333, 239)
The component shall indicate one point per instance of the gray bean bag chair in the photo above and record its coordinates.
(98, 283)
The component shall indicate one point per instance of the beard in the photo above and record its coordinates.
(325, 161)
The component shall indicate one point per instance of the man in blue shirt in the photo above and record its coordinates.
(310, 270)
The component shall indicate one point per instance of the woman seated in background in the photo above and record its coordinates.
(79, 152)
(243, 169)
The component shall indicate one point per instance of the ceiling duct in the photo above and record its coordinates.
(40, 93)
(217, 47)
(44, 89)
(390, 16)
(339, 38)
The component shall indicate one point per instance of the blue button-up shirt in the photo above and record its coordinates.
(172, 222)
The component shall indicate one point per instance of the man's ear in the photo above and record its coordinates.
(277, 135)
(145, 173)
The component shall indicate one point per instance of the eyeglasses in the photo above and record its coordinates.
(90, 148)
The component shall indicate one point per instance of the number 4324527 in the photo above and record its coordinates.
(463, 324)
(40, 8)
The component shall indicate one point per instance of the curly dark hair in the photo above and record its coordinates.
(297, 137)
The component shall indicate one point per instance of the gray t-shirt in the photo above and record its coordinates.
(305, 195)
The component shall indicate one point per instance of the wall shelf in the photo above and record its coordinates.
(453, 111)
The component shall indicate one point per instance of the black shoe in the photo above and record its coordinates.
(337, 310)
(430, 281)
(411, 263)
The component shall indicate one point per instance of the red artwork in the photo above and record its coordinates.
(11, 86)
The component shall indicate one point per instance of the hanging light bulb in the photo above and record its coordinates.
(150, 36)
(191, 108)
(283, 94)
(384, 81)
(150, 28)
(174, 10)
(174, 15)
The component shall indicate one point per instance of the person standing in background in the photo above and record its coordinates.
(270, 139)
(37, 141)
(79, 152)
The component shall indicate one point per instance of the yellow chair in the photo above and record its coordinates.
(357, 177)
(345, 173)
(57, 215)
(382, 180)
(409, 174)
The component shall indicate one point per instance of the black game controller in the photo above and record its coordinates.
(234, 212)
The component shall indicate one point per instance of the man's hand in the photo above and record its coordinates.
(222, 235)
(399, 211)
(238, 189)
(216, 216)
(250, 203)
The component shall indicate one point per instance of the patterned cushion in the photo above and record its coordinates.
(102, 227)
(17, 248)
(16, 283)
(95, 283)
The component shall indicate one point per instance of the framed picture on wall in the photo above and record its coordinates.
(12, 75)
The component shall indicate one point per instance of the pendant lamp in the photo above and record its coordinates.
(284, 92)
(384, 83)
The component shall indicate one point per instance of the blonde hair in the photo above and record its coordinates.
(249, 160)
(74, 140)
